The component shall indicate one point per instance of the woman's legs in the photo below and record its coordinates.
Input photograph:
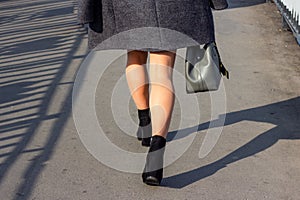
(161, 103)
(162, 91)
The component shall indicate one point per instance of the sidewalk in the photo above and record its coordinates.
(42, 157)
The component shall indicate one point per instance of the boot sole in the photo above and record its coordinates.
(151, 180)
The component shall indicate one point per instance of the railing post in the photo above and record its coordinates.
(290, 10)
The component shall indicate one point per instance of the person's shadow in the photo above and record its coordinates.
(285, 115)
(243, 3)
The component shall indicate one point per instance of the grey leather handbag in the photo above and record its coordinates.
(203, 68)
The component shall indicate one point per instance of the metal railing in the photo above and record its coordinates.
(290, 10)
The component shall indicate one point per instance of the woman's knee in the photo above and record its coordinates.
(137, 57)
(161, 76)
(164, 58)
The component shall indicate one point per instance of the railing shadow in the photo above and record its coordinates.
(284, 115)
(33, 63)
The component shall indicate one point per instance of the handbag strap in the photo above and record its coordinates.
(222, 68)
(224, 71)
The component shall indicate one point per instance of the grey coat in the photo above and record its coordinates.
(148, 24)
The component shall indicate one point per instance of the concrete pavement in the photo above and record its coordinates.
(42, 157)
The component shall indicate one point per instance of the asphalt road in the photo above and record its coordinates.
(43, 157)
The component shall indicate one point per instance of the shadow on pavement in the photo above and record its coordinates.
(243, 3)
(34, 61)
(285, 115)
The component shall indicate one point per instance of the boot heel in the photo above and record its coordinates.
(146, 142)
(139, 133)
(153, 171)
(145, 128)
(146, 135)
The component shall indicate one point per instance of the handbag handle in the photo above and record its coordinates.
(223, 70)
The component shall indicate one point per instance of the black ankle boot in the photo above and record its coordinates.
(145, 129)
(153, 171)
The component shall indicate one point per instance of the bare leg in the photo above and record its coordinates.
(162, 91)
(161, 105)
(137, 78)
